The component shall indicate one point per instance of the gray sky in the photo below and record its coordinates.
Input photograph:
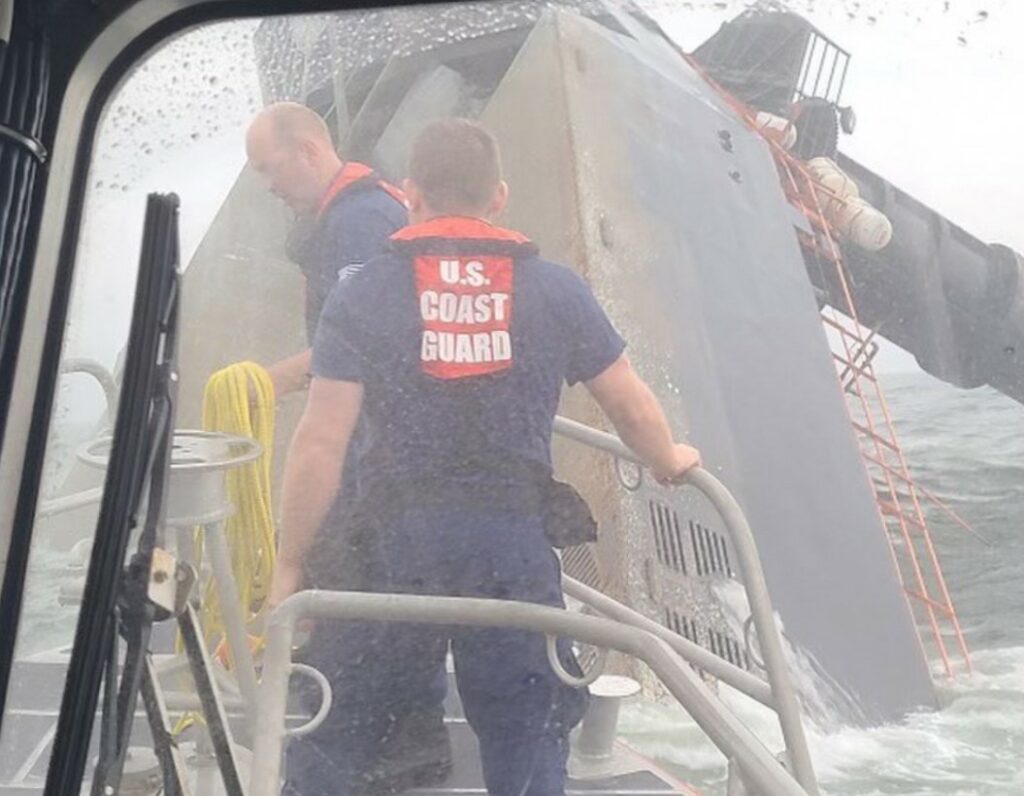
(936, 90)
(940, 118)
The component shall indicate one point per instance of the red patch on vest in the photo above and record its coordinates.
(465, 304)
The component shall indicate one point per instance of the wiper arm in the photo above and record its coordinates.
(114, 600)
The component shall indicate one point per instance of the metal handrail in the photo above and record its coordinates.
(719, 668)
(759, 767)
(93, 368)
(65, 503)
(783, 696)
(76, 500)
(627, 631)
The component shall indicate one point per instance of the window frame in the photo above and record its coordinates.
(76, 106)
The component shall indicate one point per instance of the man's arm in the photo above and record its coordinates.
(291, 374)
(312, 474)
(640, 421)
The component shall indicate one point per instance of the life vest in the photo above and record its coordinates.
(464, 273)
(351, 174)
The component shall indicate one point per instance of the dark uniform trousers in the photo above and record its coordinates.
(439, 544)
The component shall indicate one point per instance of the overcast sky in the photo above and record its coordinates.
(937, 90)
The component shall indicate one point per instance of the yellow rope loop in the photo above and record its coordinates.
(239, 400)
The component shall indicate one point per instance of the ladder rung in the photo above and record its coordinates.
(875, 436)
(901, 475)
(813, 246)
(892, 510)
(862, 361)
(946, 609)
(851, 335)
(897, 497)
(880, 483)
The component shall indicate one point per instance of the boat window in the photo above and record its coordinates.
(802, 219)
(186, 104)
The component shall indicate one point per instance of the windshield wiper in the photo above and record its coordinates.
(117, 601)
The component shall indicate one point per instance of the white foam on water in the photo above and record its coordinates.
(973, 745)
(824, 701)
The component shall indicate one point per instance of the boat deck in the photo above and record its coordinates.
(33, 709)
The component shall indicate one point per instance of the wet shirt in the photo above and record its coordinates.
(358, 216)
(462, 337)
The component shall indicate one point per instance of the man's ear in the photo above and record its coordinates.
(308, 150)
(499, 201)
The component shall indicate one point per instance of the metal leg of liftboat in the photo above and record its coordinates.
(734, 785)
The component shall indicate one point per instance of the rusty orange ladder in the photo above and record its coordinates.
(898, 497)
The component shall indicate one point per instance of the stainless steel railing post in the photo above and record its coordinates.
(728, 733)
(783, 695)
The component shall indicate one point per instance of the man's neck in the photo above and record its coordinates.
(329, 173)
(429, 215)
(324, 179)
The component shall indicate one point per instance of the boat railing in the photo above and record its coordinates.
(64, 504)
(670, 656)
(103, 377)
(780, 695)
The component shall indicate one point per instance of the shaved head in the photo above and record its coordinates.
(291, 146)
(290, 123)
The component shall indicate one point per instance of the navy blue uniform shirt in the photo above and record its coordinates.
(462, 338)
(358, 217)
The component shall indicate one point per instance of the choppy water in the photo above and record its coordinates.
(968, 448)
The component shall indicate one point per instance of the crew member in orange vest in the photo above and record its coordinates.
(348, 210)
(350, 213)
(455, 346)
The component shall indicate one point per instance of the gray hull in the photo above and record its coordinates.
(625, 165)
(621, 169)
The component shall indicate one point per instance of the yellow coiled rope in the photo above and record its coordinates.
(239, 400)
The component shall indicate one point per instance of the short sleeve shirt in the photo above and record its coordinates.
(350, 232)
(451, 384)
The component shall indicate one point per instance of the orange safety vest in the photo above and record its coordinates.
(352, 173)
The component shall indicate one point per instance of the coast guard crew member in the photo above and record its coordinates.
(347, 213)
(455, 345)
